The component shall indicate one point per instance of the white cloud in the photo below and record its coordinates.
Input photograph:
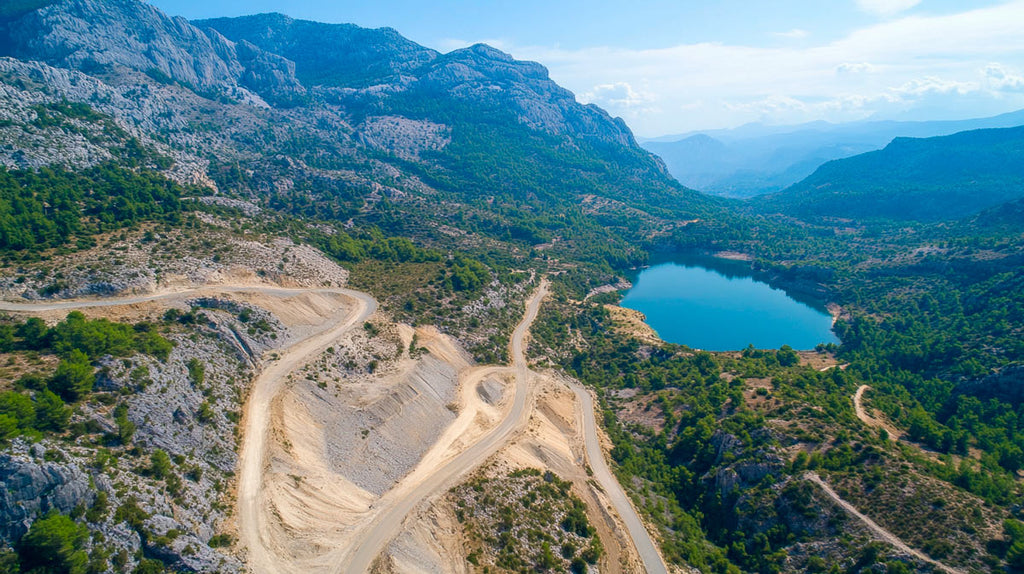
(935, 85)
(886, 7)
(794, 34)
(887, 68)
(855, 68)
(1001, 78)
(619, 94)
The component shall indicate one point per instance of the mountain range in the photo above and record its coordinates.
(757, 159)
(926, 180)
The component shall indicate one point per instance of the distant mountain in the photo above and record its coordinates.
(927, 180)
(1009, 215)
(756, 159)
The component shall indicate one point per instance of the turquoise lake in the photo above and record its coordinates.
(716, 305)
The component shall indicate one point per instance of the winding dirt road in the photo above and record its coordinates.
(252, 458)
(439, 469)
(645, 546)
(882, 533)
(400, 501)
(867, 419)
(267, 384)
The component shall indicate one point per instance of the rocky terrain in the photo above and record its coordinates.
(307, 262)
(185, 409)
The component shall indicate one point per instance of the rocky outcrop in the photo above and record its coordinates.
(1007, 385)
(95, 35)
(490, 77)
(30, 487)
(749, 469)
(329, 55)
(347, 57)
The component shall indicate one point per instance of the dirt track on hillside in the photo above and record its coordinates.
(319, 521)
(880, 532)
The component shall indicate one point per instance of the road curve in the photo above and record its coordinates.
(252, 456)
(257, 410)
(858, 405)
(388, 523)
(645, 546)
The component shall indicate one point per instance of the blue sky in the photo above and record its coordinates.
(675, 66)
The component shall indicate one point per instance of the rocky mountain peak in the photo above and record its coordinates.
(350, 57)
(329, 55)
(96, 35)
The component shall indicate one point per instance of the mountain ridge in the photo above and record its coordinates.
(756, 159)
(913, 179)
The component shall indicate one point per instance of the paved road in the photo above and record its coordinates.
(388, 523)
(645, 547)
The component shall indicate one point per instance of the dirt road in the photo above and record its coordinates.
(400, 501)
(448, 461)
(645, 546)
(252, 457)
(858, 405)
(862, 414)
(882, 533)
(265, 387)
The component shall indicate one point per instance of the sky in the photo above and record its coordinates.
(676, 66)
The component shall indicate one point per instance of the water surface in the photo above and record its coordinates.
(716, 305)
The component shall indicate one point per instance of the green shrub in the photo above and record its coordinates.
(54, 544)
(74, 377)
(51, 412)
(160, 464)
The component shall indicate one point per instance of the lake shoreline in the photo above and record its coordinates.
(718, 302)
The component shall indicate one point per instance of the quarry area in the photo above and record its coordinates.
(339, 440)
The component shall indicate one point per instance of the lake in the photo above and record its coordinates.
(716, 305)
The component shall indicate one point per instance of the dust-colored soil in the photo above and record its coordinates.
(539, 422)
(335, 460)
(869, 418)
(817, 361)
(634, 324)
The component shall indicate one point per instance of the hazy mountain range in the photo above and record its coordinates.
(913, 179)
(756, 159)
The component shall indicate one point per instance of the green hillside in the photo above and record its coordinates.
(926, 180)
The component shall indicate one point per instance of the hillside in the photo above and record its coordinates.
(285, 296)
(185, 217)
(926, 180)
(474, 126)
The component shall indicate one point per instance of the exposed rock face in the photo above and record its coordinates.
(353, 58)
(29, 487)
(403, 137)
(93, 35)
(749, 470)
(333, 82)
(485, 75)
(329, 55)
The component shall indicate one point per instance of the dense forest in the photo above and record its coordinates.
(53, 207)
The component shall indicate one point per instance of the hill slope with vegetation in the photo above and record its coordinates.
(926, 180)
